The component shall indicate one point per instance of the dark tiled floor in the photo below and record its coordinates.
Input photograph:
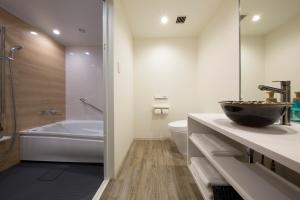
(50, 181)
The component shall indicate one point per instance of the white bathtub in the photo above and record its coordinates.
(66, 141)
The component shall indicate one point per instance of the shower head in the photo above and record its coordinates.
(13, 50)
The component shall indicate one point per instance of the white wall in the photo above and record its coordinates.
(195, 73)
(253, 67)
(218, 53)
(84, 79)
(174, 68)
(282, 54)
(163, 66)
(123, 86)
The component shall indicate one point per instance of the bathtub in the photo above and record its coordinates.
(65, 141)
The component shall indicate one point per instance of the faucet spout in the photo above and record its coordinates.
(271, 89)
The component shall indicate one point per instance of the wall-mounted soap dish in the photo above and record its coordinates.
(5, 138)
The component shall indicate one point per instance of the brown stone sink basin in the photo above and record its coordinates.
(254, 113)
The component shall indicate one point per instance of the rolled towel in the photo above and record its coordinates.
(221, 147)
(207, 173)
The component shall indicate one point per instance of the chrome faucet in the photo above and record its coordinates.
(285, 96)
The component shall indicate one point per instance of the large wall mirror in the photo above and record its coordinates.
(270, 45)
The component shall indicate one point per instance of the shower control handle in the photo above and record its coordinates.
(50, 111)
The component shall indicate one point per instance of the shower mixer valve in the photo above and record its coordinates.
(50, 111)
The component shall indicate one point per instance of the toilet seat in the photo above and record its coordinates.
(178, 126)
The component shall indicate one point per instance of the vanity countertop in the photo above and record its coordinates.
(281, 143)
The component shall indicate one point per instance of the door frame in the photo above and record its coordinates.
(108, 71)
(108, 76)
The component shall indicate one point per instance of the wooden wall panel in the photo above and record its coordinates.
(39, 71)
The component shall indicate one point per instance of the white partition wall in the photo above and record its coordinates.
(84, 79)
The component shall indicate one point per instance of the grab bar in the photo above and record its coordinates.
(83, 100)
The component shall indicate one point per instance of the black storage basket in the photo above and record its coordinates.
(225, 193)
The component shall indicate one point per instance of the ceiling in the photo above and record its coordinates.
(273, 14)
(144, 16)
(66, 15)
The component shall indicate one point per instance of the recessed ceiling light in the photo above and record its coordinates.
(71, 53)
(256, 18)
(87, 53)
(33, 33)
(56, 31)
(164, 19)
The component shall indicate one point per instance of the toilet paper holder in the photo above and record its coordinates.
(161, 109)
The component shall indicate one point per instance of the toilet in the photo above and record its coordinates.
(178, 131)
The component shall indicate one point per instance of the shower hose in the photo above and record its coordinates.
(5, 154)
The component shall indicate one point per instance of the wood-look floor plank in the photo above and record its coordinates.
(153, 170)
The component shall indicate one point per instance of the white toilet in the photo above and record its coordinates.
(179, 135)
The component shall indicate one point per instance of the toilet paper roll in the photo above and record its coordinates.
(157, 111)
(165, 111)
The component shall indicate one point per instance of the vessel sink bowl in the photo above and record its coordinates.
(254, 113)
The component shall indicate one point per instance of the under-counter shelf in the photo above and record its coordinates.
(280, 143)
(251, 181)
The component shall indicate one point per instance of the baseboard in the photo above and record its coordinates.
(155, 139)
(101, 189)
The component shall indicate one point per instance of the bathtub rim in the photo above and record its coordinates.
(37, 131)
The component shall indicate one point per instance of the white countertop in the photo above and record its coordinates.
(281, 143)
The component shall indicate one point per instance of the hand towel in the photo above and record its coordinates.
(207, 173)
(206, 192)
(221, 147)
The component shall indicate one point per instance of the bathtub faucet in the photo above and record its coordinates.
(51, 111)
